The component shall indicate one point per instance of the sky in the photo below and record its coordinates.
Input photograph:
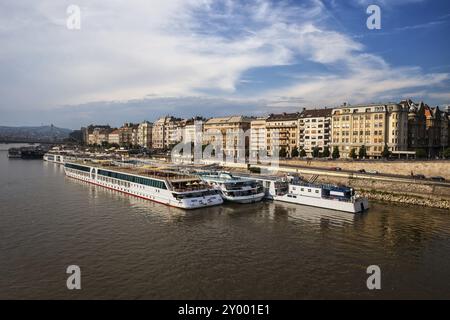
(139, 60)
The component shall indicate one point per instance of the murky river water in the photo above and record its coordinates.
(135, 249)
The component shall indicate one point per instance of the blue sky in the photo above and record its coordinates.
(138, 60)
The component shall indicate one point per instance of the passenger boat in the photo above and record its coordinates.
(54, 157)
(14, 153)
(170, 188)
(325, 196)
(294, 190)
(235, 189)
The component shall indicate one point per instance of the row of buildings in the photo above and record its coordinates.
(402, 127)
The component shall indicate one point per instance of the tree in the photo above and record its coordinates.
(302, 153)
(326, 152)
(386, 153)
(336, 154)
(446, 153)
(294, 153)
(315, 152)
(282, 152)
(362, 152)
(421, 153)
(353, 154)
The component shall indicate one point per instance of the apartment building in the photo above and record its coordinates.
(258, 137)
(371, 125)
(191, 128)
(129, 134)
(428, 128)
(89, 130)
(99, 135)
(315, 129)
(234, 132)
(282, 130)
(114, 137)
(144, 134)
(166, 132)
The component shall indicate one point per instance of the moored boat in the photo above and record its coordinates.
(235, 189)
(170, 188)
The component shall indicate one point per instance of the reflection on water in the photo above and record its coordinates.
(132, 248)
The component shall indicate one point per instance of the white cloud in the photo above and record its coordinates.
(130, 49)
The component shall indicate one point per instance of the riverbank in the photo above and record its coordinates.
(428, 168)
(396, 192)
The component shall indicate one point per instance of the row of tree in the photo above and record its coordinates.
(361, 154)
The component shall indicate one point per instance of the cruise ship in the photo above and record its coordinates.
(167, 187)
(235, 189)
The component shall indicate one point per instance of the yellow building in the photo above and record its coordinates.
(234, 133)
(282, 131)
(374, 126)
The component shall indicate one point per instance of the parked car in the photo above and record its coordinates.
(438, 178)
(372, 171)
(335, 169)
(362, 171)
(419, 176)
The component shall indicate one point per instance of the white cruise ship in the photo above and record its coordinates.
(235, 189)
(170, 188)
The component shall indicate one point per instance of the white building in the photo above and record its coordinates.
(258, 136)
(144, 134)
(315, 129)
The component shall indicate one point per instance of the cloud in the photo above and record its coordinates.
(128, 50)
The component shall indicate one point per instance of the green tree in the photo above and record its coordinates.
(336, 154)
(362, 152)
(386, 153)
(326, 152)
(316, 152)
(421, 153)
(302, 153)
(282, 153)
(446, 153)
(294, 153)
(353, 154)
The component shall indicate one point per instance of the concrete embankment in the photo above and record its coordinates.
(384, 188)
(399, 192)
(428, 168)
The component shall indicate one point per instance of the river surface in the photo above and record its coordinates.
(128, 248)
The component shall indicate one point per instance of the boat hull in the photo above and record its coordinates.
(245, 199)
(359, 205)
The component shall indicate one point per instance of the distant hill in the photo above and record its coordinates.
(42, 133)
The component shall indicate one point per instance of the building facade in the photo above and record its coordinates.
(234, 133)
(315, 130)
(373, 126)
(114, 137)
(428, 128)
(258, 138)
(166, 132)
(282, 131)
(99, 136)
(144, 134)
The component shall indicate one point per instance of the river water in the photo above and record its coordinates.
(128, 248)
